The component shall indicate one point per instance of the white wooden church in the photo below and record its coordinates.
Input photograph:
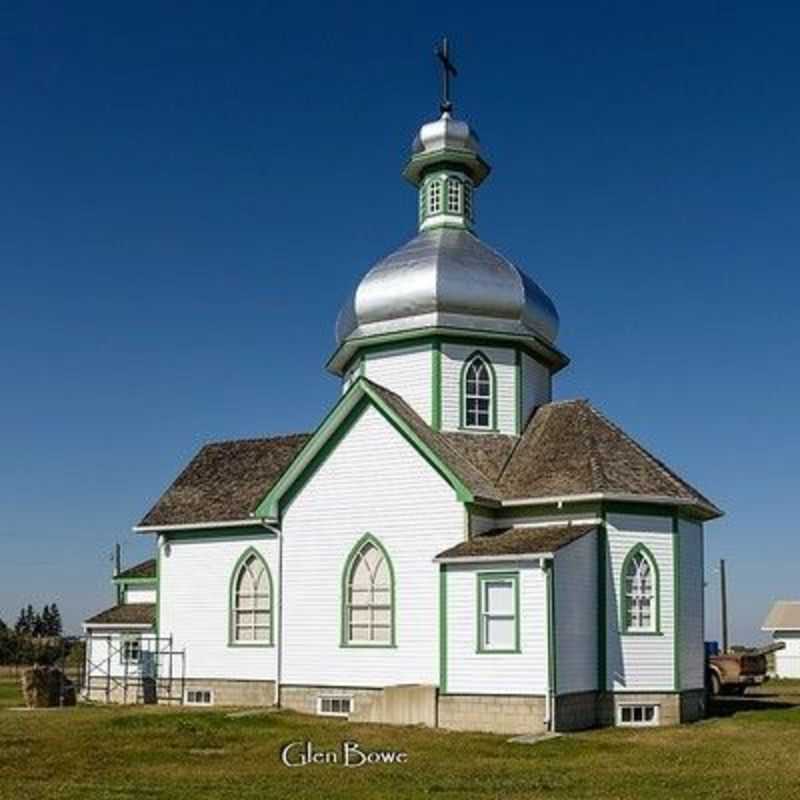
(451, 546)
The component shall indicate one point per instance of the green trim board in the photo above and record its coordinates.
(436, 386)
(602, 612)
(462, 393)
(367, 538)
(676, 595)
(331, 431)
(552, 630)
(517, 391)
(134, 580)
(243, 558)
(639, 549)
(159, 547)
(442, 628)
(208, 534)
(482, 578)
(536, 347)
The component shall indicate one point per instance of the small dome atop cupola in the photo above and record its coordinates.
(446, 278)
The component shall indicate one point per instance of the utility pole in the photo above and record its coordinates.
(723, 588)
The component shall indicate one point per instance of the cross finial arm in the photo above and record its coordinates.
(448, 69)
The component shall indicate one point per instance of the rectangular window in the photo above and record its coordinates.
(435, 197)
(498, 612)
(637, 715)
(334, 706)
(453, 196)
(131, 651)
(199, 697)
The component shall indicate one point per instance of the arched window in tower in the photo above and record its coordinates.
(477, 393)
(435, 197)
(368, 596)
(251, 601)
(640, 588)
(454, 197)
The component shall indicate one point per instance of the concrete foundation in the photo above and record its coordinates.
(412, 704)
(507, 714)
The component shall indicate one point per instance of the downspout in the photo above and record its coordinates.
(276, 701)
(550, 696)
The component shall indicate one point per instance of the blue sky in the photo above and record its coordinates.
(189, 193)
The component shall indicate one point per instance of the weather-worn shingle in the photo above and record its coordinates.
(225, 481)
(147, 569)
(518, 541)
(127, 614)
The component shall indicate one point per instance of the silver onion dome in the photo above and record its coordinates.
(445, 132)
(446, 277)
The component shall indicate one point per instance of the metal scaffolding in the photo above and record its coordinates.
(133, 668)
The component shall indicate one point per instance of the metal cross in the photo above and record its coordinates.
(448, 69)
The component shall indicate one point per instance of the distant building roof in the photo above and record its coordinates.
(520, 541)
(146, 569)
(128, 614)
(783, 616)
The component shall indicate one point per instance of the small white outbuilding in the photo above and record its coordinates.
(783, 622)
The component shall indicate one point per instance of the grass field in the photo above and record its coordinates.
(89, 752)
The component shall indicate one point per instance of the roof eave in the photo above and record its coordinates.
(707, 511)
(189, 526)
(486, 558)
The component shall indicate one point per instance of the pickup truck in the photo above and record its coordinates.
(732, 673)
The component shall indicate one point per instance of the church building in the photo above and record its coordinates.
(451, 546)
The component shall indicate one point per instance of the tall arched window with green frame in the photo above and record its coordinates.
(478, 393)
(251, 602)
(368, 596)
(640, 592)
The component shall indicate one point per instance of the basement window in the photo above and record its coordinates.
(334, 706)
(637, 715)
(199, 697)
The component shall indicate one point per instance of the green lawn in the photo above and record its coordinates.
(150, 753)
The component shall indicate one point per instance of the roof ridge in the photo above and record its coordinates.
(535, 434)
(250, 439)
(595, 464)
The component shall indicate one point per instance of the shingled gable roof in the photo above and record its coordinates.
(225, 481)
(126, 614)
(543, 540)
(567, 449)
(570, 448)
(143, 570)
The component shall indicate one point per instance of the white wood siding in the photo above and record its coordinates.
(576, 615)
(787, 662)
(536, 386)
(407, 372)
(470, 672)
(691, 632)
(502, 358)
(373, 482)
(140, 594)
(104, 658)
(640, 662)
(194, 605)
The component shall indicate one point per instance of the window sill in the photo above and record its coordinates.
(354, 646)
(249, 644)
(465, 429)
(480, 652)
(642, 633)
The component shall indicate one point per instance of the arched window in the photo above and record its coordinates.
(251, 601)
(368, 613)
(640, 588)
(477, 392)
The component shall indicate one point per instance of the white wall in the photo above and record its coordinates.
(536, 386)
(576, 615)
(691, 636)
(470, 672)
(373, 482)
(407, 372)
(787, 662)
(140, 594)
(194, 605)
(104, 656)
(502, 358)
(639, 662)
